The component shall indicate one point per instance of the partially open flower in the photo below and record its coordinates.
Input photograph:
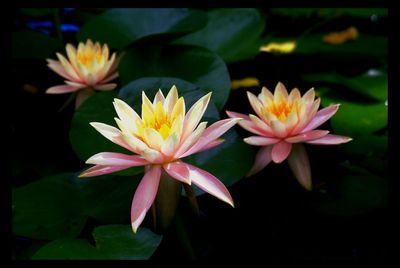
(159, 138)
(284, 122)
(87, 68)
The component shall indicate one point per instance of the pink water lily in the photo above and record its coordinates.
(283, 122)
(87, 68)
(159, 138)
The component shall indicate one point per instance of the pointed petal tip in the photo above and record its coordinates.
(134, 228)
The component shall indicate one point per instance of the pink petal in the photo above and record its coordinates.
(260, 141)
(280, 151)
(255, 103)
(263, 158)
(61, 89)
(209, 183)
(116, 159)
(211, 145)
(300, 166)
(246, 123)
(278, 128)
(99, 170)
(105, 87)
(260, 124)
(211, 133)
(312, 135)
(179, 171)
(330, 139)
(109, 78)
(144, 196)
(194, 115)
(82, 96)
(59, 69)
(111, 133)
(321, 117)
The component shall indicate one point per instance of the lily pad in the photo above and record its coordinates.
(197, 65)
(233, 33)
(122, 26)
(47, 209)
(113, 242)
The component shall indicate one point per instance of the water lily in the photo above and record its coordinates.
(283, 122)
(87, 68)
(163, 135)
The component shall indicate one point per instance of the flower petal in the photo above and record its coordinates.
(116, 159)
(159, 97)
(255, 104)
(280, 93)
(311, 135)
(153, 138)
(59, 69)
(260, 141)
(195, 114)
(126, 114)
(260, 124)
(278, 128)
(246, 123)
(61, 89)
(211, 145)
(99, 170)
(171, 99)
(330, 139)
(211, 133)
(111, 133)
(209, 183)
(321, 117)
(108, 78)
(280, 151)
(266, 97)
(300, 166)
(105, 87)
(190, 140)
(179, 171)
(263, 158)
(169, 146)
(144, 196)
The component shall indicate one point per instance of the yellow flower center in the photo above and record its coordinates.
(158, 119)
(89, 54)
(281, 110)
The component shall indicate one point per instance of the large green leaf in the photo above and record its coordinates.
(353, 195)
(132, 93)
(107, 198)
(33, 45)
(47, 209)
(229, 162)
(233, 33)
(113, 242)
(120, 27)
(197, 65)
(375, 86)
(354, 119)
(68, 249)
(119, 242)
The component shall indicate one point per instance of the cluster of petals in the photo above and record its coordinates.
(282, 123)
(88, 66)
(158, 139)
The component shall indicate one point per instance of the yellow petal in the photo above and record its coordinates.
(153, 138)
(266, 97)
(171, 99)
(179, 108)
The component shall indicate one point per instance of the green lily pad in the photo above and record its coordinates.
(354, 119)
(47, 209)
(197, 65)
(122, 26)
(119, 242)
(113, 242)
(233, 33)
(371, 86)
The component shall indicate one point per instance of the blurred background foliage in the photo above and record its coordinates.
(341, 52)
